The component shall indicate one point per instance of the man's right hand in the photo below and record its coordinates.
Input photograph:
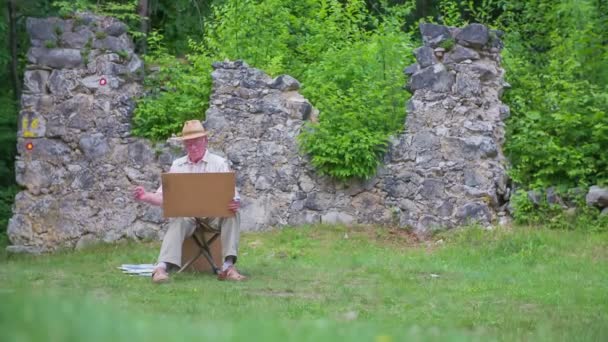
(139, 193)
(154, 198)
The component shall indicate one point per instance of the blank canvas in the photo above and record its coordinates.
(198, 194)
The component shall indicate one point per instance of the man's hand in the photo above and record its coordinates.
(154, 198)
(234, 206)
(139, 193)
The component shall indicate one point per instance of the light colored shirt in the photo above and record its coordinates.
(209, 163)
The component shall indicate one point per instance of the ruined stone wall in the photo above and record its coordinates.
(446, 168)
(79, 88)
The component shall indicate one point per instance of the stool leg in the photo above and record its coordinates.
(205, 251)
(190, 262)
(201, 248)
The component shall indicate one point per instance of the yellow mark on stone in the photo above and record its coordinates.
(27, 127)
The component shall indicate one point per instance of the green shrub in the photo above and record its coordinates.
(579, 216)
(361, 103)
(179, 91)
(123, 54)
(50, 44)
(558, 130)
(123, 10)
(447, 44)
(100, 35)
(349, 63)
(8, 140)
(7, 196)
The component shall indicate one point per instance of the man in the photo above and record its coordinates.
(198, 160)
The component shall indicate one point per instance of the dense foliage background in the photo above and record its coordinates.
(349, 56)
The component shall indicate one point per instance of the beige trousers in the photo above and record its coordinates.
(183, 227)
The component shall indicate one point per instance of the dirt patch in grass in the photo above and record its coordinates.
(391, 236)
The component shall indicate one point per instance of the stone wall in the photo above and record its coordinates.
(446, 169)
(79, 88)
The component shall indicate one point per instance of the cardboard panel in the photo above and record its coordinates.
(198, 194)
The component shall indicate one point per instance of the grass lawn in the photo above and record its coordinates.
(324, 283)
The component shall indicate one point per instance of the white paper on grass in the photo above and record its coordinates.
(144, 270)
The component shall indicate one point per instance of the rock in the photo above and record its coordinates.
(425, 56)
(115, 44)
(42, 28)
(484, 72)
(474, 35)
(135, 65)
(412, 69)
(337, 218)
(262, 183)
(597, 196)
(94, 146)
(318, 201)
(86, 241)
(474, 212)
(459, 54)
(62, 82)
(285, 83)
(152, 214)
(433, 35)
(51, 150)
(116, 28)
(535, 197)
(35, 81)
(55, 58)
(33, 125)
(604, 212)
(467, 86)
(432, 189)
(485, 147)
(436, 78)
(553, 197)
(141, 153)
(142, 231)
(77, 40)
(16, 249)
(505, 112)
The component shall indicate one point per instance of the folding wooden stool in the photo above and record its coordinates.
(204, 242)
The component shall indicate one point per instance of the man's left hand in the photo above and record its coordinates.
(234, 206)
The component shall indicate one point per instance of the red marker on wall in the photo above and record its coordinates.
(29, 146)
(102, 81)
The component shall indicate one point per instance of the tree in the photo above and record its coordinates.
(13, 50)
(143, 9)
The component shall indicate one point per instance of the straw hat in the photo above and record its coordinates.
(193, 129)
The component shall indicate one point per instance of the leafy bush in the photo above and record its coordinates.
(349, 62)
(126, 11)
(177, 92)
(555, 62)
(8, 138)
(580, 216)
(362, 103)
(558, 131)
(7, 195)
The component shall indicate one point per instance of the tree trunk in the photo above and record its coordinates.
(143, 10)
(13, 49)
